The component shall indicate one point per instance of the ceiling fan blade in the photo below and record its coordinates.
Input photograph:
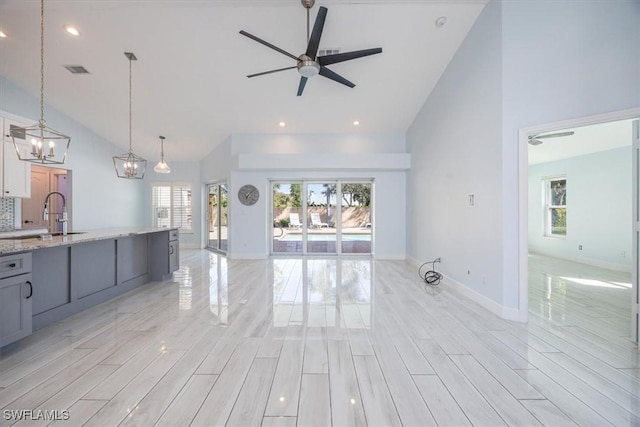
(554, 135)
(347, 56)
(259, 40)
(314, 40)
(303, 82)
(325, 72)
(272, 71)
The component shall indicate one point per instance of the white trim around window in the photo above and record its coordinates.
(172, 205)
(555, 206)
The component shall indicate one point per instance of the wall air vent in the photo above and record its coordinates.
(325, 52)
(76, 69)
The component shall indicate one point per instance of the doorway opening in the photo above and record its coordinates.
(576, 256)
(44, 180)
(322, 217)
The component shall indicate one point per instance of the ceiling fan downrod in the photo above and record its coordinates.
(308, 4)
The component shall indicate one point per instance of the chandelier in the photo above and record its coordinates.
(130, 165)
(48, 146)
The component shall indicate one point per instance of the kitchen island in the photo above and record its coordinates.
(43, 281)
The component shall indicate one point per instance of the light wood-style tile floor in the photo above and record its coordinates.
(339, 342)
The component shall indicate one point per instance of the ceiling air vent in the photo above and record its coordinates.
(325, 52)
(76, 69)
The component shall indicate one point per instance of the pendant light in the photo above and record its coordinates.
(162, 166)
(130, 165)
(47, 146)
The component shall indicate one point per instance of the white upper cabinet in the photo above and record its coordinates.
(15, 179)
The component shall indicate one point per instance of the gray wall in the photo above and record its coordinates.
(100, 199)
(216, 166)
(471, 145)
(598, 209)
(594, 47)
(455, 150)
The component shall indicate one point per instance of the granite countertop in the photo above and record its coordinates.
(9, 246)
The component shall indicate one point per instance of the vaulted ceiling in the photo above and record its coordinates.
(190, 84)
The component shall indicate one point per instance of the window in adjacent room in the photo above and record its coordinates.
(172, 206)
(556, 206)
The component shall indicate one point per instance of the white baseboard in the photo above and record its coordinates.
(190, 246)
(625, 268)
(247, 256)
(506, 313)
(413, 262)
(395, 257)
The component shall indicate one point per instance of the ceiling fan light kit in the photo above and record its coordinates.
(309, 64)
(307, 67)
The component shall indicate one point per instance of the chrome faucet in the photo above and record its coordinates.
(62, 216)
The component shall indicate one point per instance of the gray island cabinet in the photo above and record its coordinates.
(15, 297)
(67, 275)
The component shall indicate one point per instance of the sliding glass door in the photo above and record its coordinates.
(355, 217)
(322, 217)
(287, 218)
(217, 213)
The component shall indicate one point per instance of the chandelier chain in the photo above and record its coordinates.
(130, 121)
(42, 122)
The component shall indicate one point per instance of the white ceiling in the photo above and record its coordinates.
(585, 140)
(190, 85)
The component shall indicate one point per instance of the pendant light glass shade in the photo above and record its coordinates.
(162, 166)
(130, 165)
(39, 143)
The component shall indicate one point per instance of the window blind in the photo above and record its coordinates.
(172, 206)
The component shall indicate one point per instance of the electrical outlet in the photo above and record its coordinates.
(5, 215)
(579, 247)
(623, 254)
(471, 199)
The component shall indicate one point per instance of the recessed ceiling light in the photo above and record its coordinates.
(356, 123)
(3, 35)
(72, 30)
(282, 124)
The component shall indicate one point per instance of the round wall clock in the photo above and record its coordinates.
(248, 195)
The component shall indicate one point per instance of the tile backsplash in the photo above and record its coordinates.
(7, 213)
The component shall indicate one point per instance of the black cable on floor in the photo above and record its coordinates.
(431, 277)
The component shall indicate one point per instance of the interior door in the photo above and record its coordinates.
(636, 230)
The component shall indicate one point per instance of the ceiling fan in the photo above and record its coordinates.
(308, 63)
(536, 139)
